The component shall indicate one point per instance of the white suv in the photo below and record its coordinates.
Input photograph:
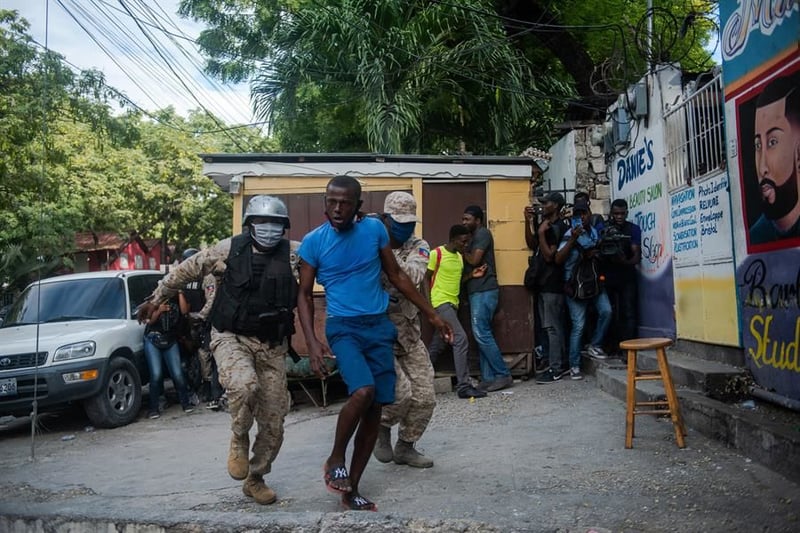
(84, 345)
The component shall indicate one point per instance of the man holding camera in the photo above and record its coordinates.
(621, 251)
(550, 282)
(579, 245)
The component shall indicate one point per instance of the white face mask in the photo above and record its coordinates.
(267, 235)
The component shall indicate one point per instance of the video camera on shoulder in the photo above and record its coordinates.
(613, 242)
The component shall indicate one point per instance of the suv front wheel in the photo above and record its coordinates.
(120, 399)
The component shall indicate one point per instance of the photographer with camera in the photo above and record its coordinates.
(620, 252)
(549, 284)
(583, 284)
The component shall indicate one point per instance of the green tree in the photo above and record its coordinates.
(603, 45)
(69, 165)
(427, 75)
(410, 76)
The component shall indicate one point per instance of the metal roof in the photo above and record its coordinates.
(368, 158)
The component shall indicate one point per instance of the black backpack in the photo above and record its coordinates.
(584, 282)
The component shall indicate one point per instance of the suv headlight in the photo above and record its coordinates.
(75, 351)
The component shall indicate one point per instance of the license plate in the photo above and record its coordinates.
(8, 387)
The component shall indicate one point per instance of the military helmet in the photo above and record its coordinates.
(266, 206)
(187, 253)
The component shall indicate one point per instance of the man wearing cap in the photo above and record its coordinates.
(252, 318)
(581, 241)
(550, 290)
(415, 398)
(483, 293)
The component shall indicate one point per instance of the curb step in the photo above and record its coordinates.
(766, 434)
(717, 380)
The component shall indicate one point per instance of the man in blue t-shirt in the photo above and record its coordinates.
(346, 256)
(579, 242)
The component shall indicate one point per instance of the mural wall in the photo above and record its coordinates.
(761, 71)
(638, 176)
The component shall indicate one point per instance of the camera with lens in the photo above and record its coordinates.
(613, 242)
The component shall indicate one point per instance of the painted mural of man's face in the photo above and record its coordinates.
(777, 151)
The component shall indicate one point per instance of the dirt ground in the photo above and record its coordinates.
(532, 458)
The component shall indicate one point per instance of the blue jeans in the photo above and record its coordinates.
(551, 313)
(482, 306)
(155, 363)
(577, 314)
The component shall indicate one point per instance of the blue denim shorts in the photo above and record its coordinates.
(363, 349)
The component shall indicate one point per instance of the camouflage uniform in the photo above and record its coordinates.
(414, 394)
(253, 374)
(209, 287)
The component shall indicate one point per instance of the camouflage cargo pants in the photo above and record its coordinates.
(415, 399)
(254, 376)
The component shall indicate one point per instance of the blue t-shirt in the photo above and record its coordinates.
(348, 265)
(587, 241)
(764, 230)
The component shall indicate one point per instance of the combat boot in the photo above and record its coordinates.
(238, 462)
(405, 454)
(255, 488)
(383, 448)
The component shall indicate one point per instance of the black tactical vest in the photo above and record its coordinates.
(195, 297)
(263, 307)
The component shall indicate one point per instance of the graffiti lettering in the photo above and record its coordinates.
(652, 251)
(762, 15)
(712, 187)
(636, 199)
(708, 229)
(776, 296)
(636, 164)
(654, 191)
(711, 202)
(646, 221)
(781, 355)
(683, 196)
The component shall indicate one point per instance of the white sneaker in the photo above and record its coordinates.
(596, 352)
(575, 373)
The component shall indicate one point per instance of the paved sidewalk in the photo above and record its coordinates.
(533, 458)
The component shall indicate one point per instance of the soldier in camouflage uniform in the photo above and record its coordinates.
(414, 395)
(208, 366)
(252, 319)
(200, 295)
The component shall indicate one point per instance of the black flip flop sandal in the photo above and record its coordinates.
(335, 474)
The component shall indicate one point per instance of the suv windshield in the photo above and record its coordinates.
(76, 299)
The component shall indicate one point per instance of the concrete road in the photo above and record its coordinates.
(533, 458)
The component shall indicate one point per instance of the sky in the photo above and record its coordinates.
(115, 45)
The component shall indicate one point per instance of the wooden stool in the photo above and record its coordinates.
(669, 406)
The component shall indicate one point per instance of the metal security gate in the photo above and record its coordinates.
(700, 215)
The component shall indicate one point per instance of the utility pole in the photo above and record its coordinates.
(650, 34)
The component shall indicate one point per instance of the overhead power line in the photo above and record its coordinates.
(180, 79)
(155, 55)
